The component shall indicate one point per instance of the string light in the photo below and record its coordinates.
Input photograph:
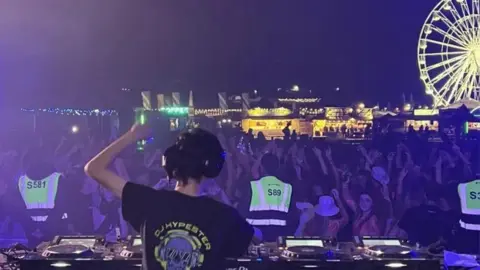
(299, 100)
(175, 110)
(216, 111)
(258, 112)
(74, 112)
(311, 111)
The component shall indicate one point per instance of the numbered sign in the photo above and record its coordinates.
(274, 192)
(473, 195)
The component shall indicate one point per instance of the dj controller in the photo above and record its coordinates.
(92, 252)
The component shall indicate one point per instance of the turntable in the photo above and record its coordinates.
(375, 247)
(74, 247)
(310, 249)
(306, 253)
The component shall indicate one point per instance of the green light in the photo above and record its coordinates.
(142, 119)
(174, 110)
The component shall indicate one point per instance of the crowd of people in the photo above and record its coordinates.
(396, 185)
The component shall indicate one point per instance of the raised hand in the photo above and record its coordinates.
(335, 194)
(328, 153)
(391, 156)
(456, 148)
(140, 131)
(307, 215)
(403, 173)
(317, 151)
(361, 149)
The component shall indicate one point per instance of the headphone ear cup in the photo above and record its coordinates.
(213, 167)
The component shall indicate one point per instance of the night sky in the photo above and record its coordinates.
(80, 53)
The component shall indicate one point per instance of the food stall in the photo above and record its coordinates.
(342, 121)
(271, 122)
(423, 118)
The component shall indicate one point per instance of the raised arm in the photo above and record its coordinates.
(321, 160)
(364, 153)
(230, 175)
(401, 176)
(459, 154)
(438, 170)
(343, 212)
(255, 171)
(347, 196)
(97, 167)
(398, 157)
(336, 176)
(390, 158)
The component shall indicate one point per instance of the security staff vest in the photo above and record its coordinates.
(270, 194)
(469, 194)
(39, 194)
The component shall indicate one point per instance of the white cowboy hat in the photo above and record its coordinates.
(379, 174)
(326, 207)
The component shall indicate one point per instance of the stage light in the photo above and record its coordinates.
(74, 129)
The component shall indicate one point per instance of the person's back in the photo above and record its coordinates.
(428, 223)
(180, 229)
(185, 232)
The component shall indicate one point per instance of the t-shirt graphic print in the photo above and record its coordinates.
(182, 246)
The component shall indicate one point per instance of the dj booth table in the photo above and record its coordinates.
(92, 252)
(338, 264)
(420, 264)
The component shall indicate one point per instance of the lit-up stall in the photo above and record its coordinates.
(319, 127)
(271, 122)
(423, 118)
(472, 127)
(431, 125)
(345, 121)
(269, 127)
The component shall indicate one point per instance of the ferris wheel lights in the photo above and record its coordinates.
(449, 52)
(422, 60)
(423, 44)
(428, 29)
(423, 75)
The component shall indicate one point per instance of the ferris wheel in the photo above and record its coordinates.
(449, 52)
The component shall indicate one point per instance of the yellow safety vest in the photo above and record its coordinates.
(270, 194)
(39, 194)
(469, 194)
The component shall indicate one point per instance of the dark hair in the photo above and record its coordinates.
(270, 163)
(196, 154)
(434, 193)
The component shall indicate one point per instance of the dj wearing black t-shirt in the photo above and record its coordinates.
(180, 229)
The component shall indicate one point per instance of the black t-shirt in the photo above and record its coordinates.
(184, 232)
(425, 224)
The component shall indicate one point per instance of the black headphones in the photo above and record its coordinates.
(196, 153)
